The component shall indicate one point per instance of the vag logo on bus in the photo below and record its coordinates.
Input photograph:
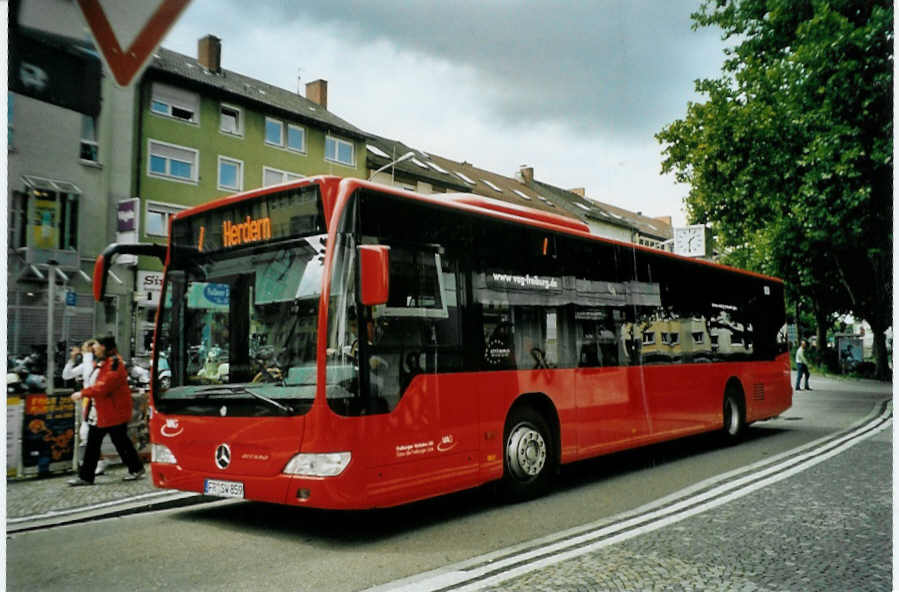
(171, 428)
(447, 443)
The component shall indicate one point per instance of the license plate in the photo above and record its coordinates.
(223, 488)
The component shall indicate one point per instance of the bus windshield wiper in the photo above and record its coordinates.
(240, 389)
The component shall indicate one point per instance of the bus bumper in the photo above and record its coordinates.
(315, 492)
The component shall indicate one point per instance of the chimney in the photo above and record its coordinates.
(317, 92)
(527, 174)
(579, 191)
(665, 219)
(209, 53)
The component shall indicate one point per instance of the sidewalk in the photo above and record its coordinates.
(49, 501)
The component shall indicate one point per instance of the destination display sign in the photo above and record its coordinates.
(294, 212)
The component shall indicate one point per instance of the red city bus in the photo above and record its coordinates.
(334, 343)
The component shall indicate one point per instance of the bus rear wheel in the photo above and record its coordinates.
(529, 458)
(734, 417)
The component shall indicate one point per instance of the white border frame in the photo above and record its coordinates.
(167, 177)
(241, 120)
(338, 140)
(240, 169)
(171, 208)
(265, 132)
(283, 175)
(287, 145)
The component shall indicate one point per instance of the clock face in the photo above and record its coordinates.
(690, 241)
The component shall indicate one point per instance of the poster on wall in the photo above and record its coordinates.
(15, 412)
(48, 433)
(44, 224)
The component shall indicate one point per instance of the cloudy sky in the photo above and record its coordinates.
(575, 89)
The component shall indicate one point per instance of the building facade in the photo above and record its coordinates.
(203, 132)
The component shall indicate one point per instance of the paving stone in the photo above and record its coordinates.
(826, 528)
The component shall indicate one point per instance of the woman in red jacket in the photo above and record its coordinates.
(112, 400)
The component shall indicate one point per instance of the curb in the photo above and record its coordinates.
(135, 505)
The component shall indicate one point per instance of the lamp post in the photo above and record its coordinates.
(393, 163)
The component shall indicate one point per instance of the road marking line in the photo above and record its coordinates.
(80, 509)
(500, 566)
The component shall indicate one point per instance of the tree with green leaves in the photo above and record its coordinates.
(790, 158)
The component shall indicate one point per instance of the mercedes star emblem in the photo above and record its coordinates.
(222, 456)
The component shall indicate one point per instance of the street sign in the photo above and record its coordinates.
(71, 298)
(126, 35)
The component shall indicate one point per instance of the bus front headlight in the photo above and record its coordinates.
(160, 453)
(328, 464)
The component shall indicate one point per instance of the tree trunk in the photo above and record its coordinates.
(821, 322)
(882, 370)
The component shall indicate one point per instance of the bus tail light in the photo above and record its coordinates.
(161, 454)
(318, 465)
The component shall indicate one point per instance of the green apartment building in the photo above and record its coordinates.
(205, 133)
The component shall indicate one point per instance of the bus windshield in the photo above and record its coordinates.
(238, 329)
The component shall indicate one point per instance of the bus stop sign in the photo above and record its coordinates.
(127, 31)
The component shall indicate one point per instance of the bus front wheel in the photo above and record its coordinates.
(529, 459)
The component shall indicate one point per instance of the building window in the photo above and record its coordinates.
(230, 174)
(341, 151)
(274, 132)
(296, 138)
(172, 162)
(90, 149)
(158, 216)
(698, 337)
(649, 337)
(231, 120)
(670, 338)
(175, 102)
(272, 176)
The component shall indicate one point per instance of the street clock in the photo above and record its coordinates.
(690, 241)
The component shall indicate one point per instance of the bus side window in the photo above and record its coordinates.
(419, 329)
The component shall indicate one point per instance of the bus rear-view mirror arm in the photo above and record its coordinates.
(104, 261)
(374, 263)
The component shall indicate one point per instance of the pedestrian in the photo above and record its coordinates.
(111, 397)
(85, 373)
(802, 366)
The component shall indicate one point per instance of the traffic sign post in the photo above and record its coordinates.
(109, 25)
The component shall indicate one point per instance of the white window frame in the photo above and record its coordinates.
(234, 161)
(159, 207)
(171, 103)
(195, 171)
(240, 121)
(649, 338)
(338, 141)
(89, 141)
(302, 130)
(283, 174)
(265, 132)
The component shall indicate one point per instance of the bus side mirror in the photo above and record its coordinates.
(374, 264)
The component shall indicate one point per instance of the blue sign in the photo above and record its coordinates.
(217, 293)
(71, 298)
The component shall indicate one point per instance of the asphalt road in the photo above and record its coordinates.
(252, 546)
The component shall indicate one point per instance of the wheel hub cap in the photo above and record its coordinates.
(526, 451)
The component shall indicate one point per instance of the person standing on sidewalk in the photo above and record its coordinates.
(111, 397)
(802, 366)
